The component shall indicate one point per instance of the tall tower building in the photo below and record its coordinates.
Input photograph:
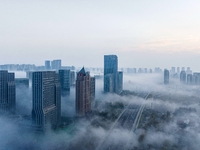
(7, 92)
(46, 97)
(83, 93)
(111, 74)
(166, 76)
(183, 76)
(65, 81)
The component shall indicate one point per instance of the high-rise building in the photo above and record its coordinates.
(183, 77)
(111, 74)
(83, 93)
(65, 81)
(46, 97)
(7, 92)
(47, 65)
(56, 64)
(166, 76)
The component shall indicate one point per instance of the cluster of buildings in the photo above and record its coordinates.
(49, 85)
(185, 76)
(49, 65)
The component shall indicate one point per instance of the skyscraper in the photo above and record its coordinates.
(46, 97)
(7, 92)
(111, 74)
(83, 93)
(65, 81)
(166, 76)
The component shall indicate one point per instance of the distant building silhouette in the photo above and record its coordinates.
(196, 78)
(56, 64)
(47, 65)
(46, 97)
(92, 90)
(188, 71)
(183, 76)
(166, 76)
(178, 71)
(157, 70)
(113, 80)
(189, 79)
(85, 92)
(119, 81)
(7, 92)
(172, 72)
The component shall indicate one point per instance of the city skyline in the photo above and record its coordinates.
(142, 34)
(99, 75)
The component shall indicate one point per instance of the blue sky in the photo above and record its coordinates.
(142, 33)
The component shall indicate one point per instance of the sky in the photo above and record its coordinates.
(142, 33)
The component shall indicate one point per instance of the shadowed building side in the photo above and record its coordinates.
(65, 76)
(92, 90)
(7, 92)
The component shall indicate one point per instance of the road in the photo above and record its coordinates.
(129, 119)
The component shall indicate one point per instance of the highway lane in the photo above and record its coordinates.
(129, 120)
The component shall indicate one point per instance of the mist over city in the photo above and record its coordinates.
(100, 75)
